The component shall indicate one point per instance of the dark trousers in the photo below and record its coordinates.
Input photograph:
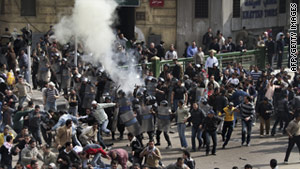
(279, 61)
(36, 134)
(47, 136)
(210, 71)
(34, 80)
(196, 132)
(292, 142)
(280, 117)
(166, 135)
(213, 135)
(246, 128)
(227, 131)
(270, 57)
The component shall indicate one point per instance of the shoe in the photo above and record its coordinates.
(108, 148)
(207, 153)
(193, 150)
(169, 147)
(120, 138)
(272, 134)
(199, 148)
(261, 136)
(183, 148)
(242, 144)
(286, 162)
(248, 145)
(157, 144)
(223, 147)
(214, 154)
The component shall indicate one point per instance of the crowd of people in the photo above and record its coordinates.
(209, 99)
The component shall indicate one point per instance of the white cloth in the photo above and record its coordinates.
(210, 62)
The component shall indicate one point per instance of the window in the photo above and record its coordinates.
(236, 8)
(2, 7)
(140, 16)
(201, 8)
(282, 6)
(28, 7)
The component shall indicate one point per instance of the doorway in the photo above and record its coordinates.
(126, 21)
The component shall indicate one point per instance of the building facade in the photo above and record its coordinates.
(173, 21)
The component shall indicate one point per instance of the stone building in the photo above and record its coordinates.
(173, 21)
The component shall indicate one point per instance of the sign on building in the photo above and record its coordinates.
(156, 3)
(128, 3)
(259, 13)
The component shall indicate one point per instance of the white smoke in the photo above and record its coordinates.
(91, 22)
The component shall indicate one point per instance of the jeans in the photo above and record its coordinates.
(47, 136)
(104, 127)
(280, 117)
(181, 132)
(292, 142)
(196, 132)
(213, 135)
(22, 100)
(36, 134)
(264, 124)
(100, 140)
(50, 106)
(246, 128)
(227, 131)
(175, 105)
(73, 110)
(25, 73)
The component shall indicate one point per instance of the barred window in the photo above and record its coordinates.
(28, 8)
(201, 8)
(282, 6)
(2, 7)
(236, 8)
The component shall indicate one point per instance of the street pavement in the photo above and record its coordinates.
(259, 154)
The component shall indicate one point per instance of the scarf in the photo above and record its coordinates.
(8, 146)
(133, 139)
(151, 150)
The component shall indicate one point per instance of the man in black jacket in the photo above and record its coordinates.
(207, 39)
(160, 50)
(270, 48)
(210, 125)
(282, 114)
(264, 109)
(280, 48)
(136, 149)
(197, 117)
(68, 157)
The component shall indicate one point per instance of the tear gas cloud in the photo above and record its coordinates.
(91, 22)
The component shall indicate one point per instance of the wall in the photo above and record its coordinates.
(159, 21)
(47, 13)
(220, 18)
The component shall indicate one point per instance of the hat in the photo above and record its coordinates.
(230, 104)
(51, 84)
(94, 102)
(211, 112)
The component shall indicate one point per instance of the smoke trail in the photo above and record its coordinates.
(91, 22)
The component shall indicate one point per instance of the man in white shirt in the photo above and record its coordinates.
(233, 80)
(211, 61)
(171, 53)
